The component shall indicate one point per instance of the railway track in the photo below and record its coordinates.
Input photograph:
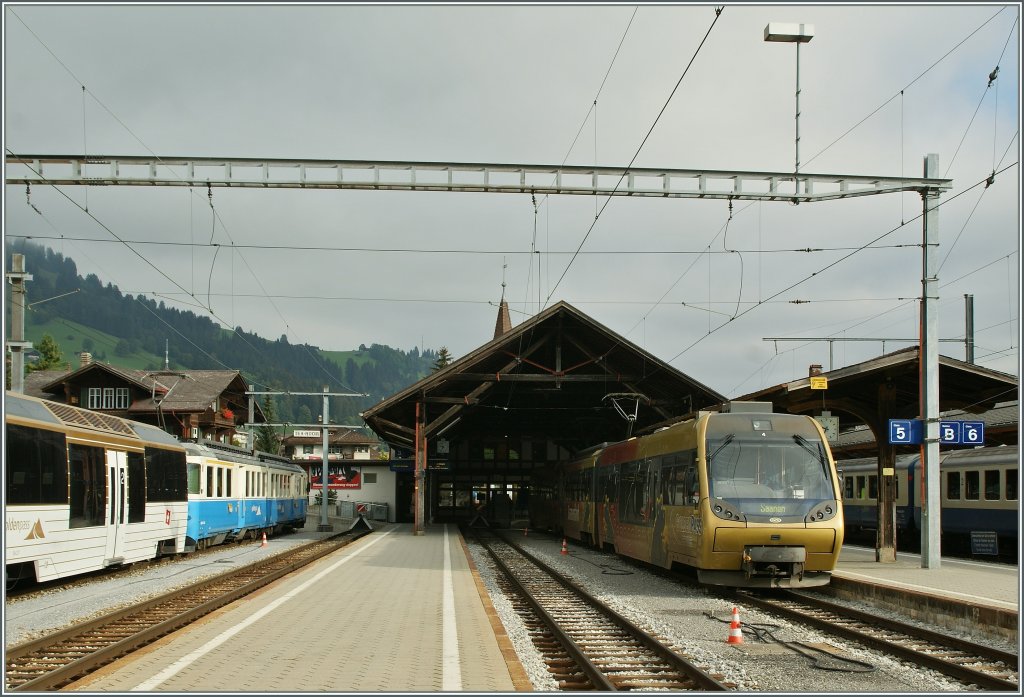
(988, 668)
(586, 644)
(56, 660)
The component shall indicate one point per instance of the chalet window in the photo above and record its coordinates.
(121, 398)
(95, 398)
(307, 450)
(108, 397)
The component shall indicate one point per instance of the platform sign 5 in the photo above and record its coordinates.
(904, 431)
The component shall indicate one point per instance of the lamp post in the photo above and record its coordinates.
(794, 34)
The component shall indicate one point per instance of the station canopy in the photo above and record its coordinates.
(888, 387)
(559, 376)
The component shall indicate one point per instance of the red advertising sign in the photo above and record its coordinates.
(338, 477)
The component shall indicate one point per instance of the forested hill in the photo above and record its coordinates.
(132, 332)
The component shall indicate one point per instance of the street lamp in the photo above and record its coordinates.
(794, 34)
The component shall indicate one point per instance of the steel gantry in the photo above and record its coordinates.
(391, 175)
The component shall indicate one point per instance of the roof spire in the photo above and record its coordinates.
(504, 322)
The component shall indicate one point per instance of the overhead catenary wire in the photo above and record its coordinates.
(826, 268)
(435, 250)
(103, 225)
(151, 152)
(902, 89)
(718, 13)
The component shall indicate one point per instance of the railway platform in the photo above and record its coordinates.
(959, 593)
(391, 612)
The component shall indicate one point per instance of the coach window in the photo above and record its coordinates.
(862, 492)
(848, 487)
(194, 481)
(88, 486)
(953, 486)
(873, 486)
(1011, 485)
(136, 488)
(991, 485)
(166, 478)
(973, 485)
(210, 487)
(228, 476)
(36, 467)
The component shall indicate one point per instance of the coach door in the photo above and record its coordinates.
(117, 506)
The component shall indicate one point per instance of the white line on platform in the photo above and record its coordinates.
(451, 675)
(171, 670)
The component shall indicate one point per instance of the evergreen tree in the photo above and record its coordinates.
(267, 439)
(50, 354)
(443, 358)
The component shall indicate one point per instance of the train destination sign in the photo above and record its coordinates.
(911, 432)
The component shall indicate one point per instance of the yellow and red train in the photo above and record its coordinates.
(747, 497)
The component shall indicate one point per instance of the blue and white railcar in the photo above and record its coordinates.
(85, 490)
(235, 494)
(979, 492)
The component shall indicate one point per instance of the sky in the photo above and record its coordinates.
(697, 283)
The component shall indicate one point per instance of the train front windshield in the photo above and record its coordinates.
(771, 466)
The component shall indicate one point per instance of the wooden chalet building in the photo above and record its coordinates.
(189, 404)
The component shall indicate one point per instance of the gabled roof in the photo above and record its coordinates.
(556, 375)
(167, 390)
(38, 382)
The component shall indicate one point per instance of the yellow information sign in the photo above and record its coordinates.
(819, 382)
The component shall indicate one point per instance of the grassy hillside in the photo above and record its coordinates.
(73, 338)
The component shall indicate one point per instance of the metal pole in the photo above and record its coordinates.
(419, 473)
(17, 344)
(969, 328)
(324, 525)
(252, 428)
(796, 168)
(929, 370)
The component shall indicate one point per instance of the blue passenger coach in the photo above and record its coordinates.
(978, 493)
(234, 494)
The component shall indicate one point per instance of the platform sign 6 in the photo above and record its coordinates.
(904, 431)
(974, 432)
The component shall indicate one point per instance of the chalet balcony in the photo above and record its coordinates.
(216, 419)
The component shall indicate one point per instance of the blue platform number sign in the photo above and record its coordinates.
(951, 432)
(904, 431)
(974, 433)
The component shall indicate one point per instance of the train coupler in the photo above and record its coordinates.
(774, 562)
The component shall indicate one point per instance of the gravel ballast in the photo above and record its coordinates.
(696, 624)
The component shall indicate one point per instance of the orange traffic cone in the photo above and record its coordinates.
(565, 546)
(264, 543)
(735, 633)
